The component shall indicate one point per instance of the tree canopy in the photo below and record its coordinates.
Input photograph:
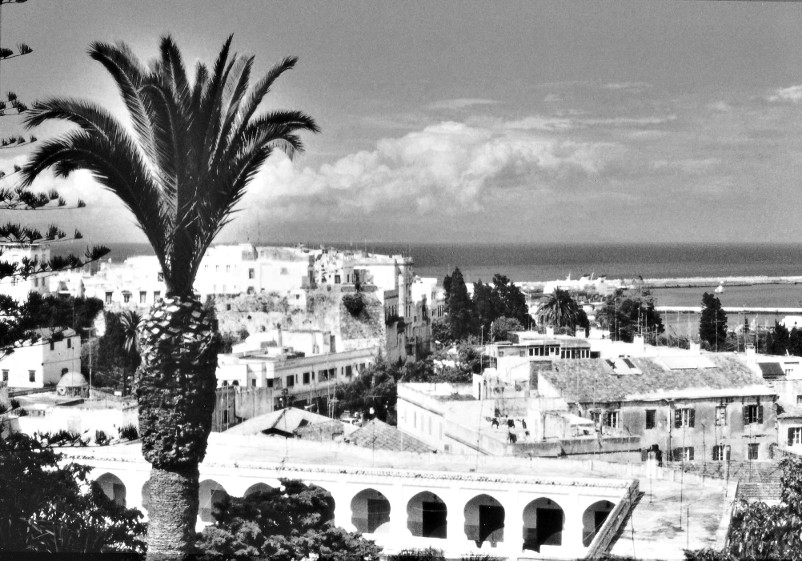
(761, 531)
(56, 512)
(626, 317)
(459, 307)
(285, 524)
(712, 323)
(560, 310)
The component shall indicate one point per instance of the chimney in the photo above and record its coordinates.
(279, 337)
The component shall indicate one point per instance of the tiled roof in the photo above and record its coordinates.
(284, 421)
(381, 436)
(589, 380)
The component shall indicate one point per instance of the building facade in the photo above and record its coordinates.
(42, 361)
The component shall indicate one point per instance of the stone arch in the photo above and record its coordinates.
(543, 521)
(426, 515)
(210, 493)
(257, 488)
(113, 487)
(484, 520)
(592, 519)
(370, 510)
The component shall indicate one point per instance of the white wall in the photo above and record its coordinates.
(47, 364)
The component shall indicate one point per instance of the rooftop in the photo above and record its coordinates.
(378, 435)
(588, 380)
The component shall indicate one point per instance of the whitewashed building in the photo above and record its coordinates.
(40, 363)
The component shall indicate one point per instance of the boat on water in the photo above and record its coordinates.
(720, 288)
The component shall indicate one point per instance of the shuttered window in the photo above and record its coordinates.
(753, 414)
(684, 417)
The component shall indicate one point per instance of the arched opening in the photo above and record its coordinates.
(593, 518)
(369, 511)
(257, 488)
(543, 524)
(426, 515)
(113, 487)
(484, 520)
(210, 493)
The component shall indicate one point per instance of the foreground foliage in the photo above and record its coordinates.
(761, 531)
(283, 524)
(59, 510)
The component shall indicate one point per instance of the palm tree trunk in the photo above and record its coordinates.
(172, 513)
(175, 390)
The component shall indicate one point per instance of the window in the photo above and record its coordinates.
(143, 297)
(156, 296)
(31, 375)
(721, 453)
(683, 454)
(684, 417)
(794, 436)
(251, 273)
(270, 383)
(253, 382)
(721, 416)
(126, 297)
(108, 297)
(52, 345)
(225, 416)
(306, 377)
(228, 268)
(612, 419)
(69, 343)
(753, 414)
(336, 279)
(799, 400)
(290, 381)
(5, 375)
(650, 424)
(752, 450)
(160, 277)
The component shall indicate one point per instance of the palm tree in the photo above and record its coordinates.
(559, 310)
(131, 320)
(192, 150)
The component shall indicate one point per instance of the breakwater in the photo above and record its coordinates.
(691, 282)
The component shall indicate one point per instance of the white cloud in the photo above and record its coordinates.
(627, 86)
(449, 167)
(720, 106)
(460, 103)
(791, 94)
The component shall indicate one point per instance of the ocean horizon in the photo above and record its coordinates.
(552, 261)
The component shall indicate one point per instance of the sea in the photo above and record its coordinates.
(543, 262)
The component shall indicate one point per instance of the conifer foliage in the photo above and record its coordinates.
(712, 323)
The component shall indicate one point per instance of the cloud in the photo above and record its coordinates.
(792, 94)
(720, 106)
(460, 103)
(450, 167)
(627, 86)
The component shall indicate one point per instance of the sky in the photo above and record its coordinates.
(462, 122)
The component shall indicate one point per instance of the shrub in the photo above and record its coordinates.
(428, 554)
(101, 439)
(354, 303)
(22, 412)
(14, 403)
(128, 432)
